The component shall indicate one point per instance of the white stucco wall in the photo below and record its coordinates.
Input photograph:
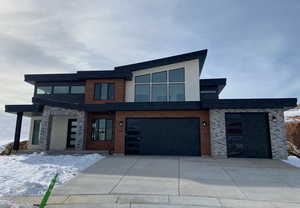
(192, 76)
(59, 132)
(30, 145)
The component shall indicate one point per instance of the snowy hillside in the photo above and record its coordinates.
(7, 127)
(292, 115)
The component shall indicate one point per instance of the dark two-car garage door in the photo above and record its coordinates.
(162, 136)
(247, 135)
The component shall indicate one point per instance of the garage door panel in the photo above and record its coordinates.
(248, 135)
(164, 136)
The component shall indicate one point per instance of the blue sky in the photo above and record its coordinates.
(254, 44)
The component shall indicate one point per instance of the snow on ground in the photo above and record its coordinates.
(8, 204)
(3, 143)
(31, 174)
(290, 114)
(293, 160)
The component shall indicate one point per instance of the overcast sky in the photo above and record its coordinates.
(254, 44)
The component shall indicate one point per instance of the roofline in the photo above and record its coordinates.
(219, 83)
(111, 74)
(201, 55)
(120, 72)
(78, 76)
(215, 81)
(59, 77)
(265, 103)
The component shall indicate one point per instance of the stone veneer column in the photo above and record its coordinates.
(49, 112)
(217, 133)
(277, 131)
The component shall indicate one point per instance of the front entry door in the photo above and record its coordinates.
(72, 128)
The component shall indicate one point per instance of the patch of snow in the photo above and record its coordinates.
(3, 143)
(31, 174)
(293, 160)
(290, 114)
(8, 204)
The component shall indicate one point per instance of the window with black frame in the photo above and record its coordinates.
(61, 89)
(160, 86)
(35, 139)
(104, 91)
(77, 89)
(44, 90)
(102, 129)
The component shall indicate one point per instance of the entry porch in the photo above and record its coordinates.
(51, 129)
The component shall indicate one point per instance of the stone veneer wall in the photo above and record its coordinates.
(48, 113)
(218, 132)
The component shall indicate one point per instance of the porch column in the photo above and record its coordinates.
(18, 130)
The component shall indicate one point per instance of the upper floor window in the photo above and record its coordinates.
(77, 89)
(44, 90)
(160, 86)
(61, 90)
(104, 91)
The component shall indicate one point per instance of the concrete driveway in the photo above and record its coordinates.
(182, 182)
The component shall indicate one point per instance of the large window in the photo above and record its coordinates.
(102, 129)
(104, 91)
(35, 140)
(160, 86)
(44, 90)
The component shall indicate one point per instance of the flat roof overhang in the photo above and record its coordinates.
(266, 103)
(27, 110)
(218, 84)
(77, 77)
(256, 103)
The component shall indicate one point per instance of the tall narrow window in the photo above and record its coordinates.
(142, 88)
(104, 91)
(176, 85)
(35, 140)
(102, 129)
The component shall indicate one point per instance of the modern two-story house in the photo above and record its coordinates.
(156, 107)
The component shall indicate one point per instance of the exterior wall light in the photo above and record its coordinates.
(121, 123)
(274, 119)
(204, 123)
